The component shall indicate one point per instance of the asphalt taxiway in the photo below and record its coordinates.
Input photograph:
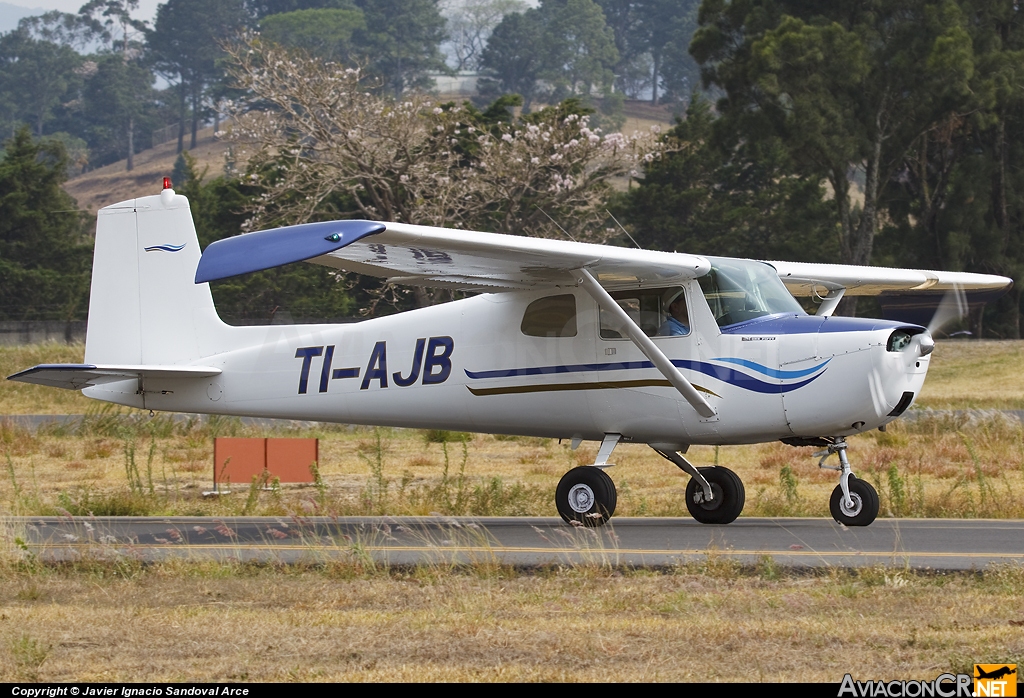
(939, 544)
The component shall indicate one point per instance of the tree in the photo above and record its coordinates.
(740, 199)
(514, 55)
(186, 44)
(581, 48)
(653, 36)
(112, 22)
(402, 41)
(564, 42)
(258, 9)
(325, 147)
(115, 97)
(953, 202)
(35, 77)
(44, 257)
(843, 89)
(118, 93)
(323, 32)
(470, 23)
(676, 70)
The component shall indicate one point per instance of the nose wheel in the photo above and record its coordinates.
(860, 510)
(585, 496)
(854, 502)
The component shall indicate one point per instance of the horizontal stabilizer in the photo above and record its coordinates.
(267, 249)
(78, 376)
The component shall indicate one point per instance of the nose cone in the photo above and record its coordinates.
(925, 343)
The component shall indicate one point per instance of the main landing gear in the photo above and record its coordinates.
(714, 495)
(854, 502)
(586, 495)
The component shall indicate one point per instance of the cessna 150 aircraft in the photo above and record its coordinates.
(564, 340)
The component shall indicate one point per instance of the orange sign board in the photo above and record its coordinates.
(289, 459)
(239, 460)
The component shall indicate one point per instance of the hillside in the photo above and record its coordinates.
(112, 183)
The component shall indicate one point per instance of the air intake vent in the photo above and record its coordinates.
(904, 403)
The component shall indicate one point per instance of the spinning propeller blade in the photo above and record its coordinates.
(953, 307)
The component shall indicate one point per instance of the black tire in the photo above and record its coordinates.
(865, 504)
(586, 496)
(729, 496)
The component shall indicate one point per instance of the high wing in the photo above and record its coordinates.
(442, 257)
(810, 279)
(461, 259)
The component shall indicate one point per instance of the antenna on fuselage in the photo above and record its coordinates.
(564, 231)
(623, 229)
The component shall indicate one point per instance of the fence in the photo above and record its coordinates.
(19, 332)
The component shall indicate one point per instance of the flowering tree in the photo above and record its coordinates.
(322, 142)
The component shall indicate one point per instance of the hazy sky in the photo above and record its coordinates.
(147, 8)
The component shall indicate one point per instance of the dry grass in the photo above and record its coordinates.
(934, 466)
(207, 622)
(987, 374)
(24, 398)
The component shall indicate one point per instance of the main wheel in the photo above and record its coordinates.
(865, 504)
(586, 496)
(727, 502)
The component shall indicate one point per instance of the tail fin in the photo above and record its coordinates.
(145, 307)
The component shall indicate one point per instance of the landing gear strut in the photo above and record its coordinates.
(854, 502)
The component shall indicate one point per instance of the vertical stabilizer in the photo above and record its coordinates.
(145, 307)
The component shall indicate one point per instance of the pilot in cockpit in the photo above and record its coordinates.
(678, 321)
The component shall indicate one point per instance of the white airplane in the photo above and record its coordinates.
(564, 340)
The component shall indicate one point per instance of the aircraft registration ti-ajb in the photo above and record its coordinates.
(563, 340)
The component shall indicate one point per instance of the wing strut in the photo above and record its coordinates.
(644, 343)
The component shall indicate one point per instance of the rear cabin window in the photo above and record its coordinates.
(651, 309)
(554, 316)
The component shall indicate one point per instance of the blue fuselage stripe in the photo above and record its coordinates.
(722, 373)
(773, 372)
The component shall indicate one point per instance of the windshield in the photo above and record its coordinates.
(739, 290)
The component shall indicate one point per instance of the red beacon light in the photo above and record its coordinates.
(167, 195)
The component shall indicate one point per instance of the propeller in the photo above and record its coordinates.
(952, 307)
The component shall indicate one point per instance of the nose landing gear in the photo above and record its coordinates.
(854, 502)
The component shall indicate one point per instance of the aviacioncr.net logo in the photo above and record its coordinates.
(995, 680)
(943, 686)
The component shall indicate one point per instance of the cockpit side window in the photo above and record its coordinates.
(553, 316)
(659, 312)
(738, 290)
